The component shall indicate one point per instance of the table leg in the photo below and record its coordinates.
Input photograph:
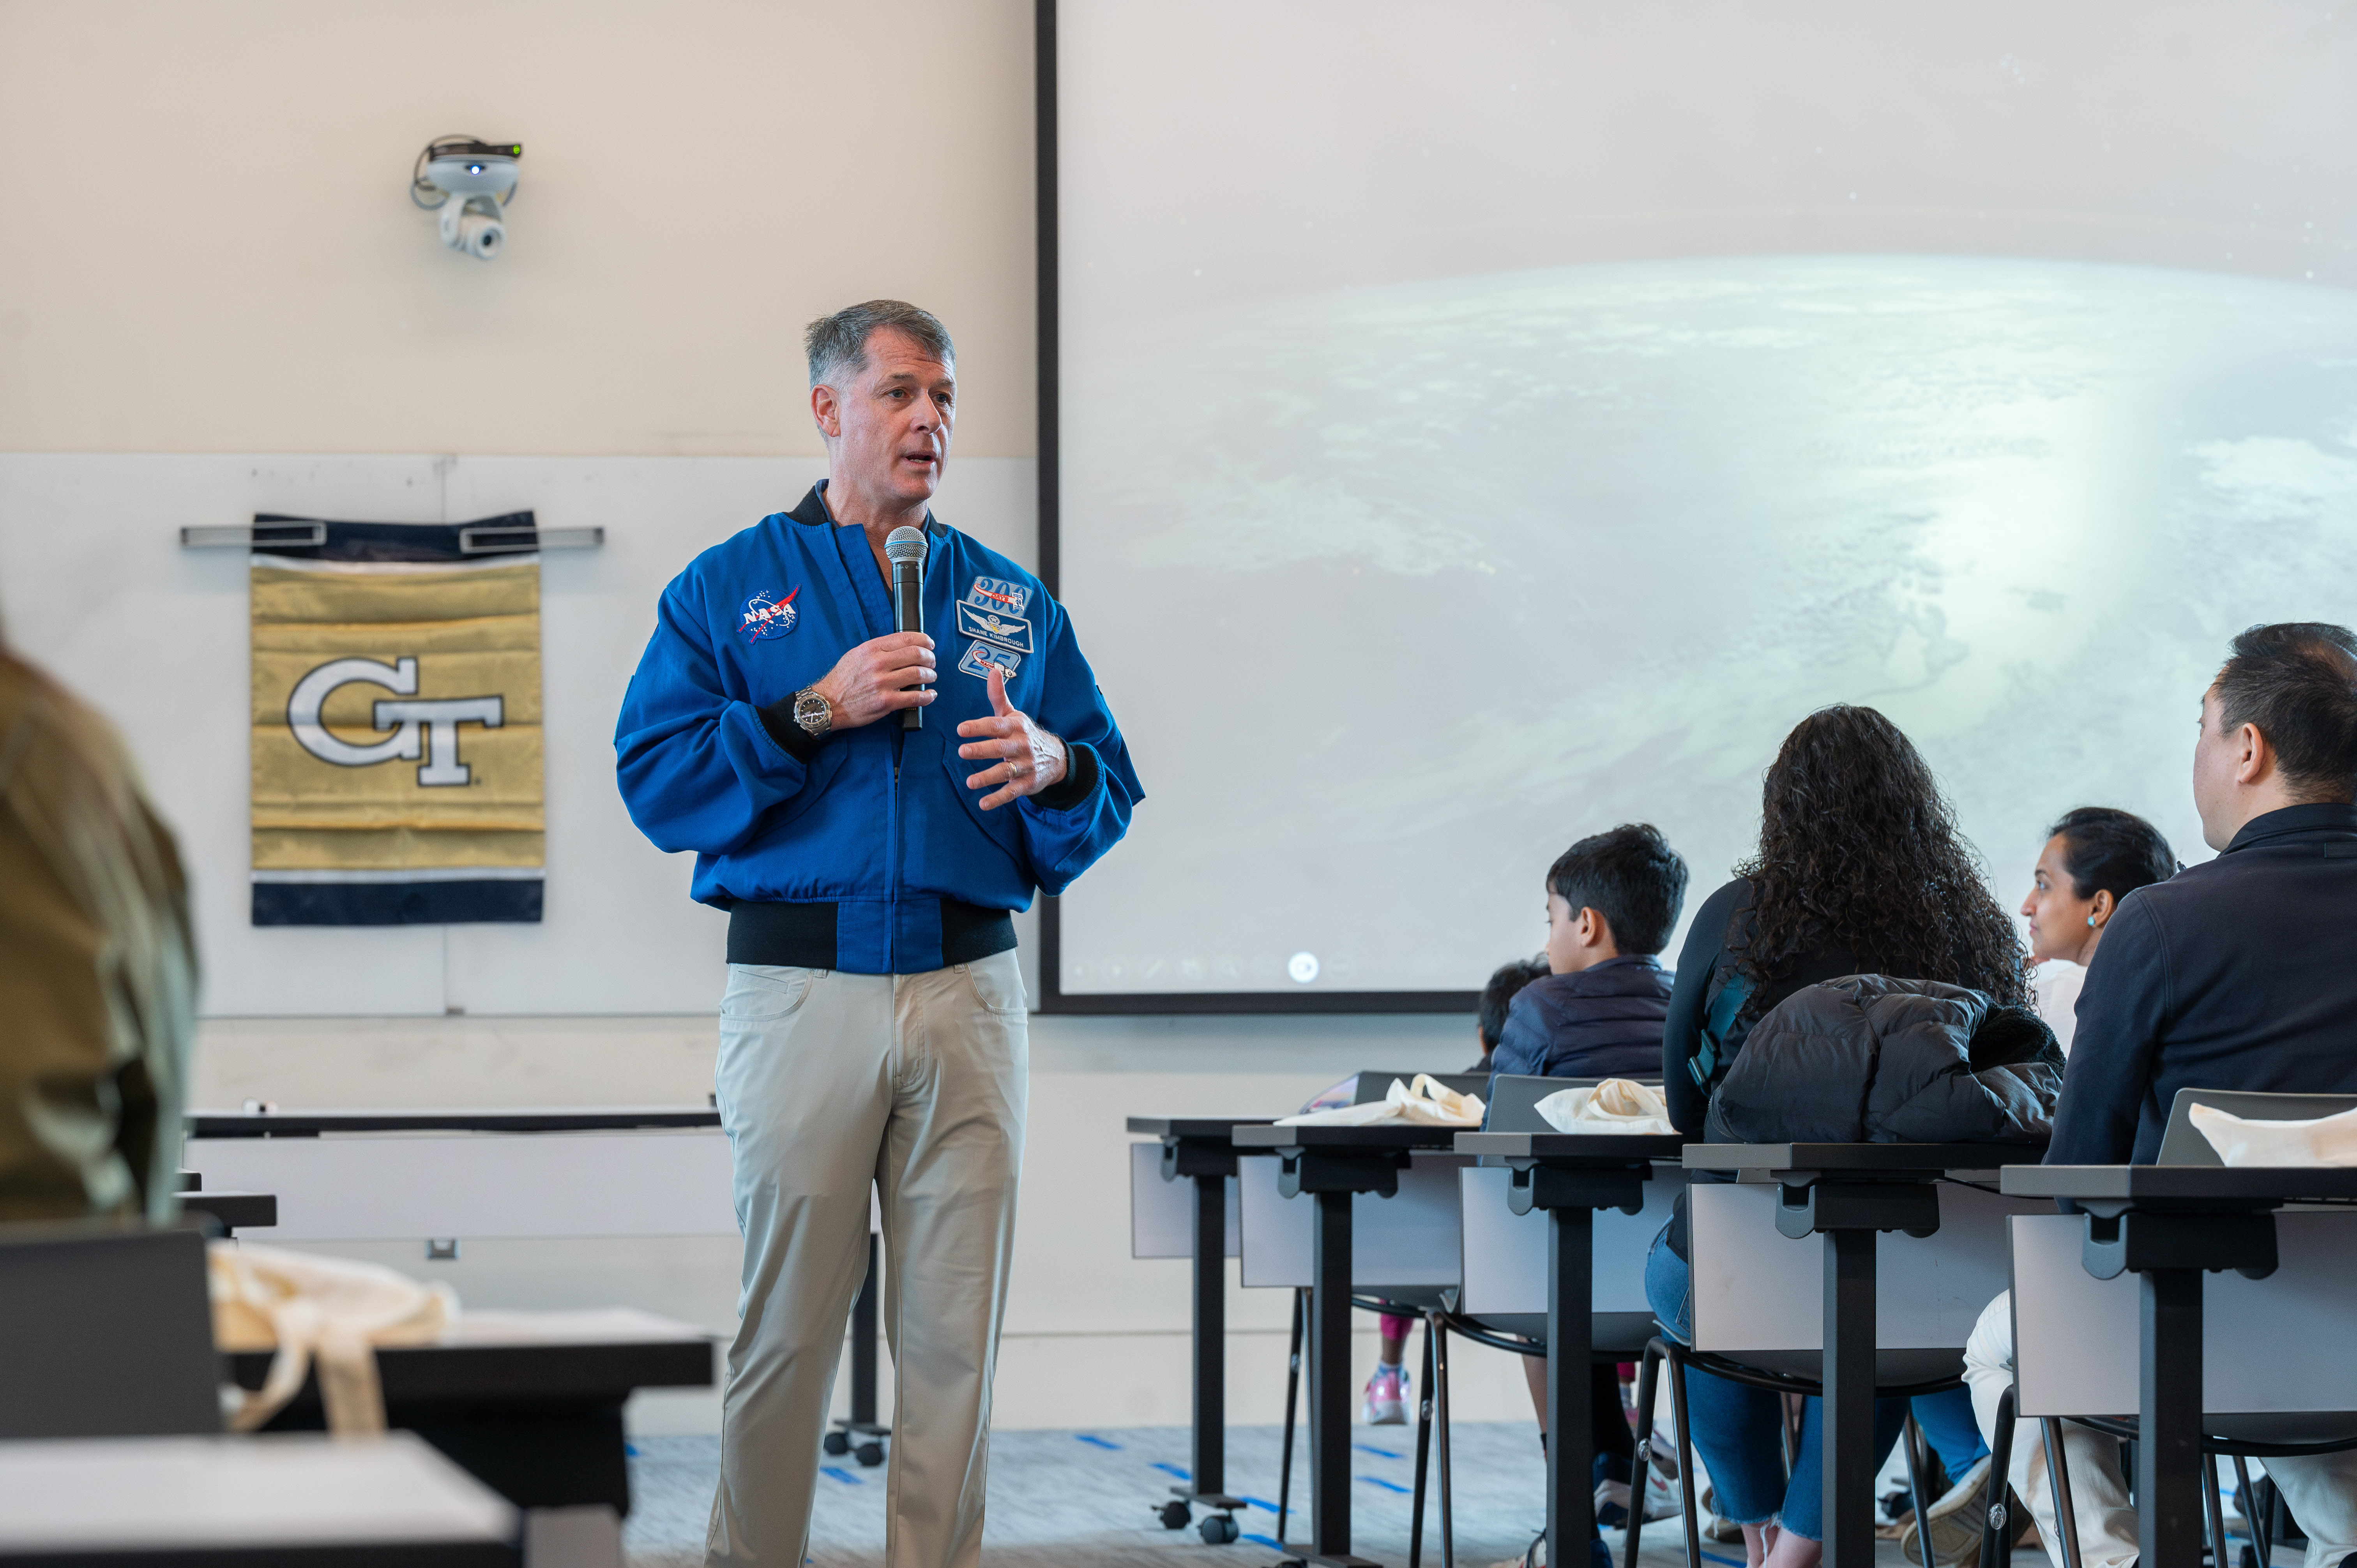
(1570, 1495)
(862, 1345)
(2168, 1449)
(1211, 1466)
(1329, 1377)
(1848, 1409)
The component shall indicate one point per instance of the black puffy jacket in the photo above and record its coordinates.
(1869, 1059)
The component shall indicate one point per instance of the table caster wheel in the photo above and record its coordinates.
(1175, 1515)
(1218, 1530)
(837, 1443)
(869, 1453)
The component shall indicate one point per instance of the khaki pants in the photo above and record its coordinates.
(828, 1082)
(2320, 1488)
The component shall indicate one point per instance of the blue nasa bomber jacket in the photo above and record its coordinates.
(862, 850)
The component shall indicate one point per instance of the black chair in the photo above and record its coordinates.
(105, 1332)
(2183, 1145)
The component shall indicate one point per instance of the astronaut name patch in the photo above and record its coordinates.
(981, 659)
(996, 594)
(1008, 631)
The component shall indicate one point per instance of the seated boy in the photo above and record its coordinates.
(1612, 901)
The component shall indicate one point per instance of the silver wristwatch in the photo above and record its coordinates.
(812, 712)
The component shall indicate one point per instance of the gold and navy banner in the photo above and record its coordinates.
(396, 723)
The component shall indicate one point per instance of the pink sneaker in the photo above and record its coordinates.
(1387, 1397)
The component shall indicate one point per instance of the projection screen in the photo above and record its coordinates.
(1477, 426)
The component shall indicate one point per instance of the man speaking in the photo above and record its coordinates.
(868, 804)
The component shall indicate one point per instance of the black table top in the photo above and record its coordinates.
(2261, 1185)
(1347, 1139)
(1573, 1148)
(235, 1210)
(574, 1369)
(552, 1119)
(1216, 1127)
(1862, 1159)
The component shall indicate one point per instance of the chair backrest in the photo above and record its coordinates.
(2269, 1348)
(1410, 1240)
(1513, 1100)
(1757, 1290)
(106, 1333)
(1505, 1254)
(1373, 1085)
(1162, 1213)
(2183, 1143)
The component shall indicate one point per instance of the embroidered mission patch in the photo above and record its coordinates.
(981, 659)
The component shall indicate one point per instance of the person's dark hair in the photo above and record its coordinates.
(2298, 682)
(838, 343)
(2112, 852)
(1499, 995)
(1630, 875)
(1858, 847)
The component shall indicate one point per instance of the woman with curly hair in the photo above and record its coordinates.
(1860, 870)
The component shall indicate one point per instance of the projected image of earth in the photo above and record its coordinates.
(1422, 583)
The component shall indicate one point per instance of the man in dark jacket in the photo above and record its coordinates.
(1612, 901)
(2234, 974)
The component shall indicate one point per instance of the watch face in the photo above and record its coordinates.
(811, 712)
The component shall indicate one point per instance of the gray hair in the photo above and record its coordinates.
(838, 343)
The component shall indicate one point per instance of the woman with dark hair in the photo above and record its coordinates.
(2094, 857)
(1861, 870)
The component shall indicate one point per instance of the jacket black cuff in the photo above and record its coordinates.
(796, 742)
(1079, 783)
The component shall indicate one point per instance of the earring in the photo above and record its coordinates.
(2091, 919)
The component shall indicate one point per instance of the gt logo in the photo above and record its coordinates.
(427, 729)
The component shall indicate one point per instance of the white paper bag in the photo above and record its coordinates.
(1616, 1105)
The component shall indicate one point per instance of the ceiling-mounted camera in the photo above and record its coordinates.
(470, 181)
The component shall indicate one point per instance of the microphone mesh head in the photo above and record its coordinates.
(905, 543)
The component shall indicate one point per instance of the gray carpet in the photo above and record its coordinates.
(1062, 1500)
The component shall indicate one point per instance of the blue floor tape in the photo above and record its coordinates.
(840, 1473)
(1387, 1485)
(1268, 1540)
(1095, 1442)
(1378, 1452)
(1170, 1469)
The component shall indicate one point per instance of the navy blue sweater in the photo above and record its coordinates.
(1603, 1022)
(2236, 974)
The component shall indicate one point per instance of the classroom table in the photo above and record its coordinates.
(529, 1402)
(228, 1209)
(1847, 1193)
(2167, 1224)
(182, 1502)
(1332, 1164)
(1200, 1149)
(1570, 1176)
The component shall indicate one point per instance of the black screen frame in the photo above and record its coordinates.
(1053, 998)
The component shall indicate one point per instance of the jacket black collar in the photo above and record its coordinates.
(2327, 817)
(811, 510)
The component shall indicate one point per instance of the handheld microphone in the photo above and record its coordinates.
(905, 548)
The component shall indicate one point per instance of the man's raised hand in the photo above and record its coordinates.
(868, 682)
(1029, 759)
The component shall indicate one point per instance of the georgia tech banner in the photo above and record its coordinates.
(396, 725)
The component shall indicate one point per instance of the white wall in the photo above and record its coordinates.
(228, 264)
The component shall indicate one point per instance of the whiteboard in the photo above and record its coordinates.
(95, 587)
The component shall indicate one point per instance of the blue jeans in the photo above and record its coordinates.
(1739, 1430)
